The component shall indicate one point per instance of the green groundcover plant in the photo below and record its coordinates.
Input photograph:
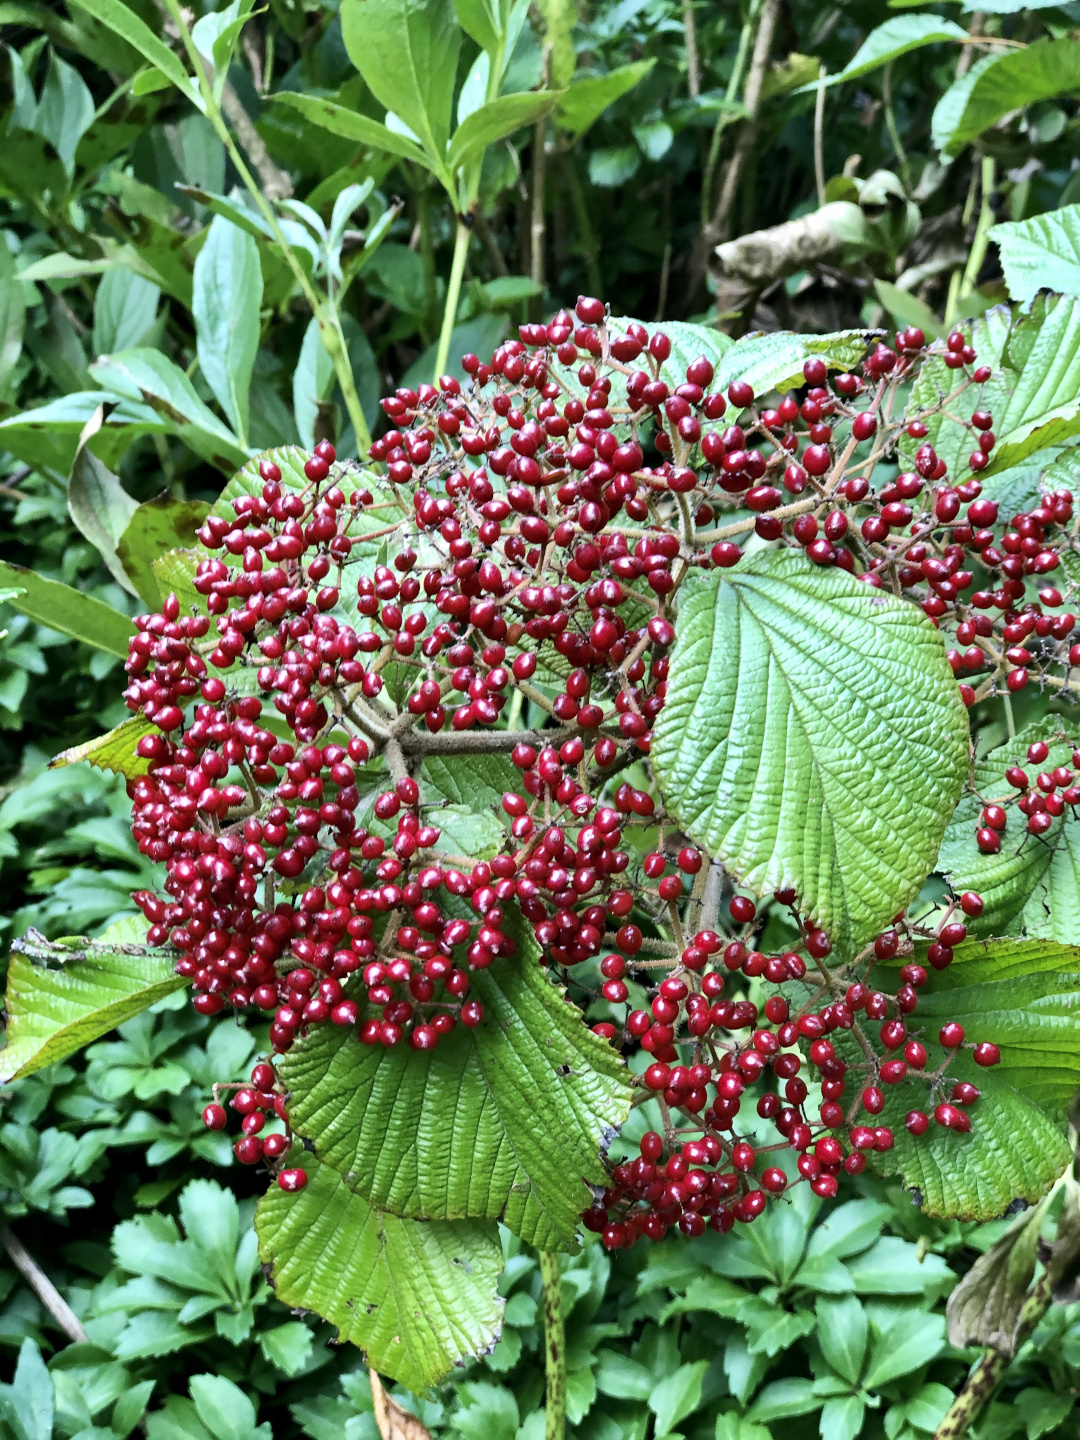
(634, 795)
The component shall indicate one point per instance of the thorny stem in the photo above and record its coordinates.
(554, 1347)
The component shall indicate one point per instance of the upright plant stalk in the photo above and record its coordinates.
(327, 317)
(453, 295)
(725, 118)
(554, 1347)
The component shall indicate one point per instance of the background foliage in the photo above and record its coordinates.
(122, 279)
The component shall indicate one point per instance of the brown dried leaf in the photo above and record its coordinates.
(394, 1423)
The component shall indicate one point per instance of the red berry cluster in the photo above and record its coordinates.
(525, 544)
(256, 1103)
(1054, 793)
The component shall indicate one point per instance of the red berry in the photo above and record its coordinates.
(214, 1117)
(292, 1180)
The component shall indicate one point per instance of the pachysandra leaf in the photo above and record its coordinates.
(505, 1121)
(418, 1296)
(813, 736)
(51, 1013)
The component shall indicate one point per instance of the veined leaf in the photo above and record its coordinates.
(1042, 253)
(97, 502)
(503, 1121)
(774, 362)
(52, 1013)
(164, 523)
(418, 1296)
(66, 610)
(1031, 885)
(586, 99)
(226, 300)
(123, 21)
(114, 750)
(813, 736)
(1041, 405)
(407, 51)
(351, 125)
(895, 38)
(1001, 83)
(12, 316)
(1024, 995)
(495, 120)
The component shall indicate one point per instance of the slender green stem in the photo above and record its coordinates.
(982, 231)
(453, 295)
(726, 118)
(590, 250)
(957, 275)
(890, 117)
(554, 1347)
(327, 317)
(1010, 723)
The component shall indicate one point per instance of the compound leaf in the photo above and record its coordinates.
(419, 1296)
(813, 736)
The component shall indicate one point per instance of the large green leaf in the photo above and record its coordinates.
(151, 377)
(123, 21)
(418, 1296)
(464, 794)
(813, 736)
(125, 307)
(1039, 404)
(99, 504)
(588, 97)
(1024, 995)
(775, 361)
(1042, 253)
(226, 300)
(887, 42)
(351, 125)
(505, 1121)
(407, 51)
(48, 435)
(1032, 885)
(66, 610)
(164, 523)
(935, 383)
(999, 84)
(495, 120)
(51, 1013)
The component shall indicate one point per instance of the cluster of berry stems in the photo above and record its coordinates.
(517, 548)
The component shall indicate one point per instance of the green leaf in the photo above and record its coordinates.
(287, 1347)
(125, 308)
(1029, 886)
(623, 1378)
(226, 299)
(122, 21)
(130, 1407)
(677, 1395)
(907, 309)
(733, 1427)
(895, 38)
(1042, 253)
(65, 111)
(164, 523)
(1040, 405)
(407, 51)
(1042, 1411)
(29, 1403)
(842, 1417)
(418, 1296)
(98, 504)
(313, 380)
(470, 788)
(913, 1339)
(495, 120)
(774, 362)
(813, 736)
(147, 375)
(783, 1399)
(586, 98)
(842, 1332)
(614, 166)
(114, 751)
(1024, 995)
(999, 84)
(66, 610)
(223, 1407)
(52, 1013)
(352, 126)
(12, 316)
(503, 1121)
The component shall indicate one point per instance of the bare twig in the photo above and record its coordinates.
(275, 182)
(693, 63)
(819, 136)
(42, 1286)
(719, 225)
